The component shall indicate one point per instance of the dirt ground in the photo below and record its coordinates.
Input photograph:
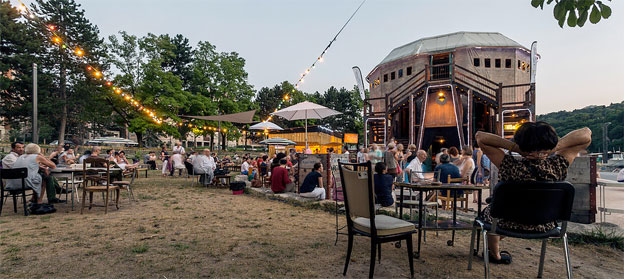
(179, 231)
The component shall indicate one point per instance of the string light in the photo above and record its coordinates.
(319, 59)
(23, 9)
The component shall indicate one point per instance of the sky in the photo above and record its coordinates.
(279, 39)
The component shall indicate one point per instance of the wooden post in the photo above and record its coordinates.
(411, 119)
(499, 109)
(470, 117)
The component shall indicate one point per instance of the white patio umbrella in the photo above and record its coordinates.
(278, 141)
(305, 110)
(265, 125)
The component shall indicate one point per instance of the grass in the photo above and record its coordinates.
(140, 249)
(600, 236)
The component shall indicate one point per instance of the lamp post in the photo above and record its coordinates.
(605, 143)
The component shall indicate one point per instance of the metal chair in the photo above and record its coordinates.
(530, 203)
(359, 199)
(19, 173)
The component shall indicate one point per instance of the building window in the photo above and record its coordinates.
(392, 76)
(518, 64)
(507, 63)
(409, 71)
(477, 62)
(400, 73)
(386, 77)
(497, 63)
(487, 63)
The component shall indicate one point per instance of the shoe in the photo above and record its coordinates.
(505, 258)
(55, 200)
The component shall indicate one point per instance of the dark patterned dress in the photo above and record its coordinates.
(553, 168)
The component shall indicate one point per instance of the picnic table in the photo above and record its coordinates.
(454, 225)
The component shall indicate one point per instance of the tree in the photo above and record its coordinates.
(576, 12)
(69, 70)
(19, 45)
(269, 99)
(346, 101)
(593, 117)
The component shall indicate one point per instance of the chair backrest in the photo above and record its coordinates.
(358, 191)
(14, 173)
(532, 202)
(456, 180)
(95, 162)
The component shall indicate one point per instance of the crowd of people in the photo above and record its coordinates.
(393, 163)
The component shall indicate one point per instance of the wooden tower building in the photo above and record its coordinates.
(439, 91)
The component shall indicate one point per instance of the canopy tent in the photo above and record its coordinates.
(305, 110)
(112, 141)
(278, 141)
(239, 117)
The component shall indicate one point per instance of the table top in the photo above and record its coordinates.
(66, 169)
(435, 186)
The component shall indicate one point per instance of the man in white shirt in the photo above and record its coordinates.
(17, 149)
(177, 163)
(245, 167)
(415, 166)
(204, 164)
(178, 147)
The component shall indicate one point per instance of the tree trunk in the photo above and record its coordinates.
(139, 139)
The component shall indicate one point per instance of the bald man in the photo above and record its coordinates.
(416, 164)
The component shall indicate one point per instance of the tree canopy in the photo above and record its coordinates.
(576, 12)
(592, 117)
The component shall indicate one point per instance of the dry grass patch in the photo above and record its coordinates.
(178, 231)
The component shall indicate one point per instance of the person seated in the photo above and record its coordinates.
(177, 163)
(245, 166)
(545, 157)
(67, 158)
(280, 182)
(204, 164)
(312, 186)
(32, 160)
(620, 176)
(164, 157)
(151, 160)
(445, 168)
(123, 162)
(415, 165)
(383, 185)
(86, 155)
(264, 166)
(55, 155)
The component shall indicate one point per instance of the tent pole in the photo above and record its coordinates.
(306, 129)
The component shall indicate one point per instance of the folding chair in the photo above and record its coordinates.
(19, 173)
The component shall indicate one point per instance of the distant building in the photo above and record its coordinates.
(439, 91)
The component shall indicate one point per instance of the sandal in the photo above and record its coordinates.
(505, 258)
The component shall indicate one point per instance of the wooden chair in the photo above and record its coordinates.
(530, 203)
(19, 173)
(100, 184)
(359, 199)
(447, 199)
(265, 179)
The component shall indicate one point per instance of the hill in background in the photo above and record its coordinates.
(592, 117)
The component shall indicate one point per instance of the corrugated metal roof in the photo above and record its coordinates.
(449, 42)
